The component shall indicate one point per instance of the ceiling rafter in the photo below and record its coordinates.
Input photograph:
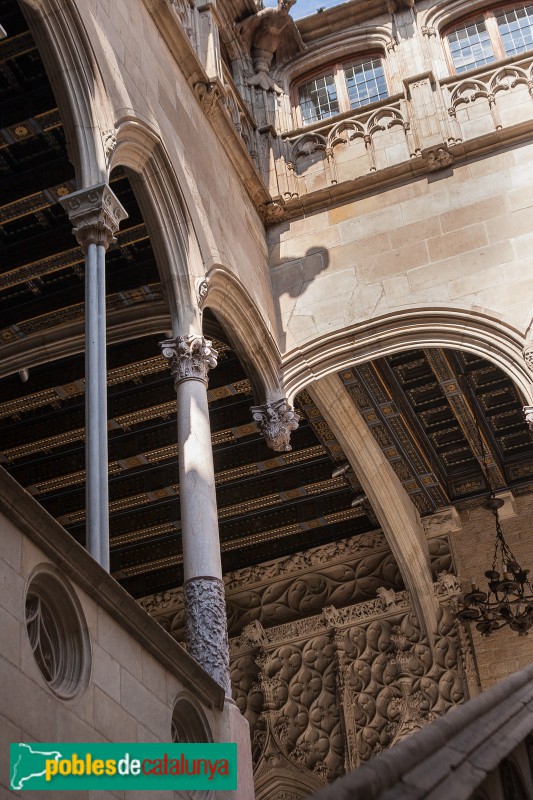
(462, 402)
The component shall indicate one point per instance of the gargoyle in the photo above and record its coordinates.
(268, 33)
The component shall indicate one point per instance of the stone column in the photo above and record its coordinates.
(191, 358)
(96, 215)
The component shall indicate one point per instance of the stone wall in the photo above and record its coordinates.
(123, 674)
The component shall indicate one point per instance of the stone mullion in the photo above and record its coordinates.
(191, 358)
(96, 215)
(458, 402)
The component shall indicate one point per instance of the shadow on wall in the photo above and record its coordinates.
(291, 280)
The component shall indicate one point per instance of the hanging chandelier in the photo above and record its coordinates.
(509, 596)
(509, 599)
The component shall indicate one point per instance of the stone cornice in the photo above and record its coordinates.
(346, 191)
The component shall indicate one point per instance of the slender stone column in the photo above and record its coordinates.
(96, 215)
(191, 358)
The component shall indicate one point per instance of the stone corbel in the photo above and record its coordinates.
(393, 6)
(276, 420)
(210, 95)
(437, 157)
(273, 211)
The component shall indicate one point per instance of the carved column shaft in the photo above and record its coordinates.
(96, 215)
(190, 359)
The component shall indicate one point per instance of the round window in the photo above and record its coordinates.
(58, 634)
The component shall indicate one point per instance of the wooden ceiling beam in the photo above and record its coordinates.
(462, 404)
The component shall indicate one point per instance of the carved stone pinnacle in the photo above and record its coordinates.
(191, 358)
(276, 421)
(206, 627)
(95, 214)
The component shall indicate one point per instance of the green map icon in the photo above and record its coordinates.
(27, 763)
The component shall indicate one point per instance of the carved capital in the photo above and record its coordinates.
(206, 627)
(276, 421)
(527, 352)
(191, 358)
(528, 413)
(95, 214)
(437, 158)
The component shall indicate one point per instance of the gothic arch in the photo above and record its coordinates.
(139, 149)
(69, 60)
(475, 333)
(249, 334)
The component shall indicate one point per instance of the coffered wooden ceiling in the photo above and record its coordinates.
(432, 412)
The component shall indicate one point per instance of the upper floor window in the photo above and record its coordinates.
(342, 87)
(491, 35)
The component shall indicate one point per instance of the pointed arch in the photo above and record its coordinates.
(475, 333)
(67, 54)
(249, 335)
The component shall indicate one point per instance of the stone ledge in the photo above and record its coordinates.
(64, 551)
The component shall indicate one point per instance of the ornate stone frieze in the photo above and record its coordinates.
(191, 357)
(270, 32)
(276, 421)
(95, 214)
(326, 554)
(206, 631)
(392, 683)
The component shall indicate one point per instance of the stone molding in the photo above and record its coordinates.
(276, 420)
(95, 214)
(527, 352)
(206, 629)
(190, 357)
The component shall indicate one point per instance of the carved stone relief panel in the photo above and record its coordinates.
(391, 682)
